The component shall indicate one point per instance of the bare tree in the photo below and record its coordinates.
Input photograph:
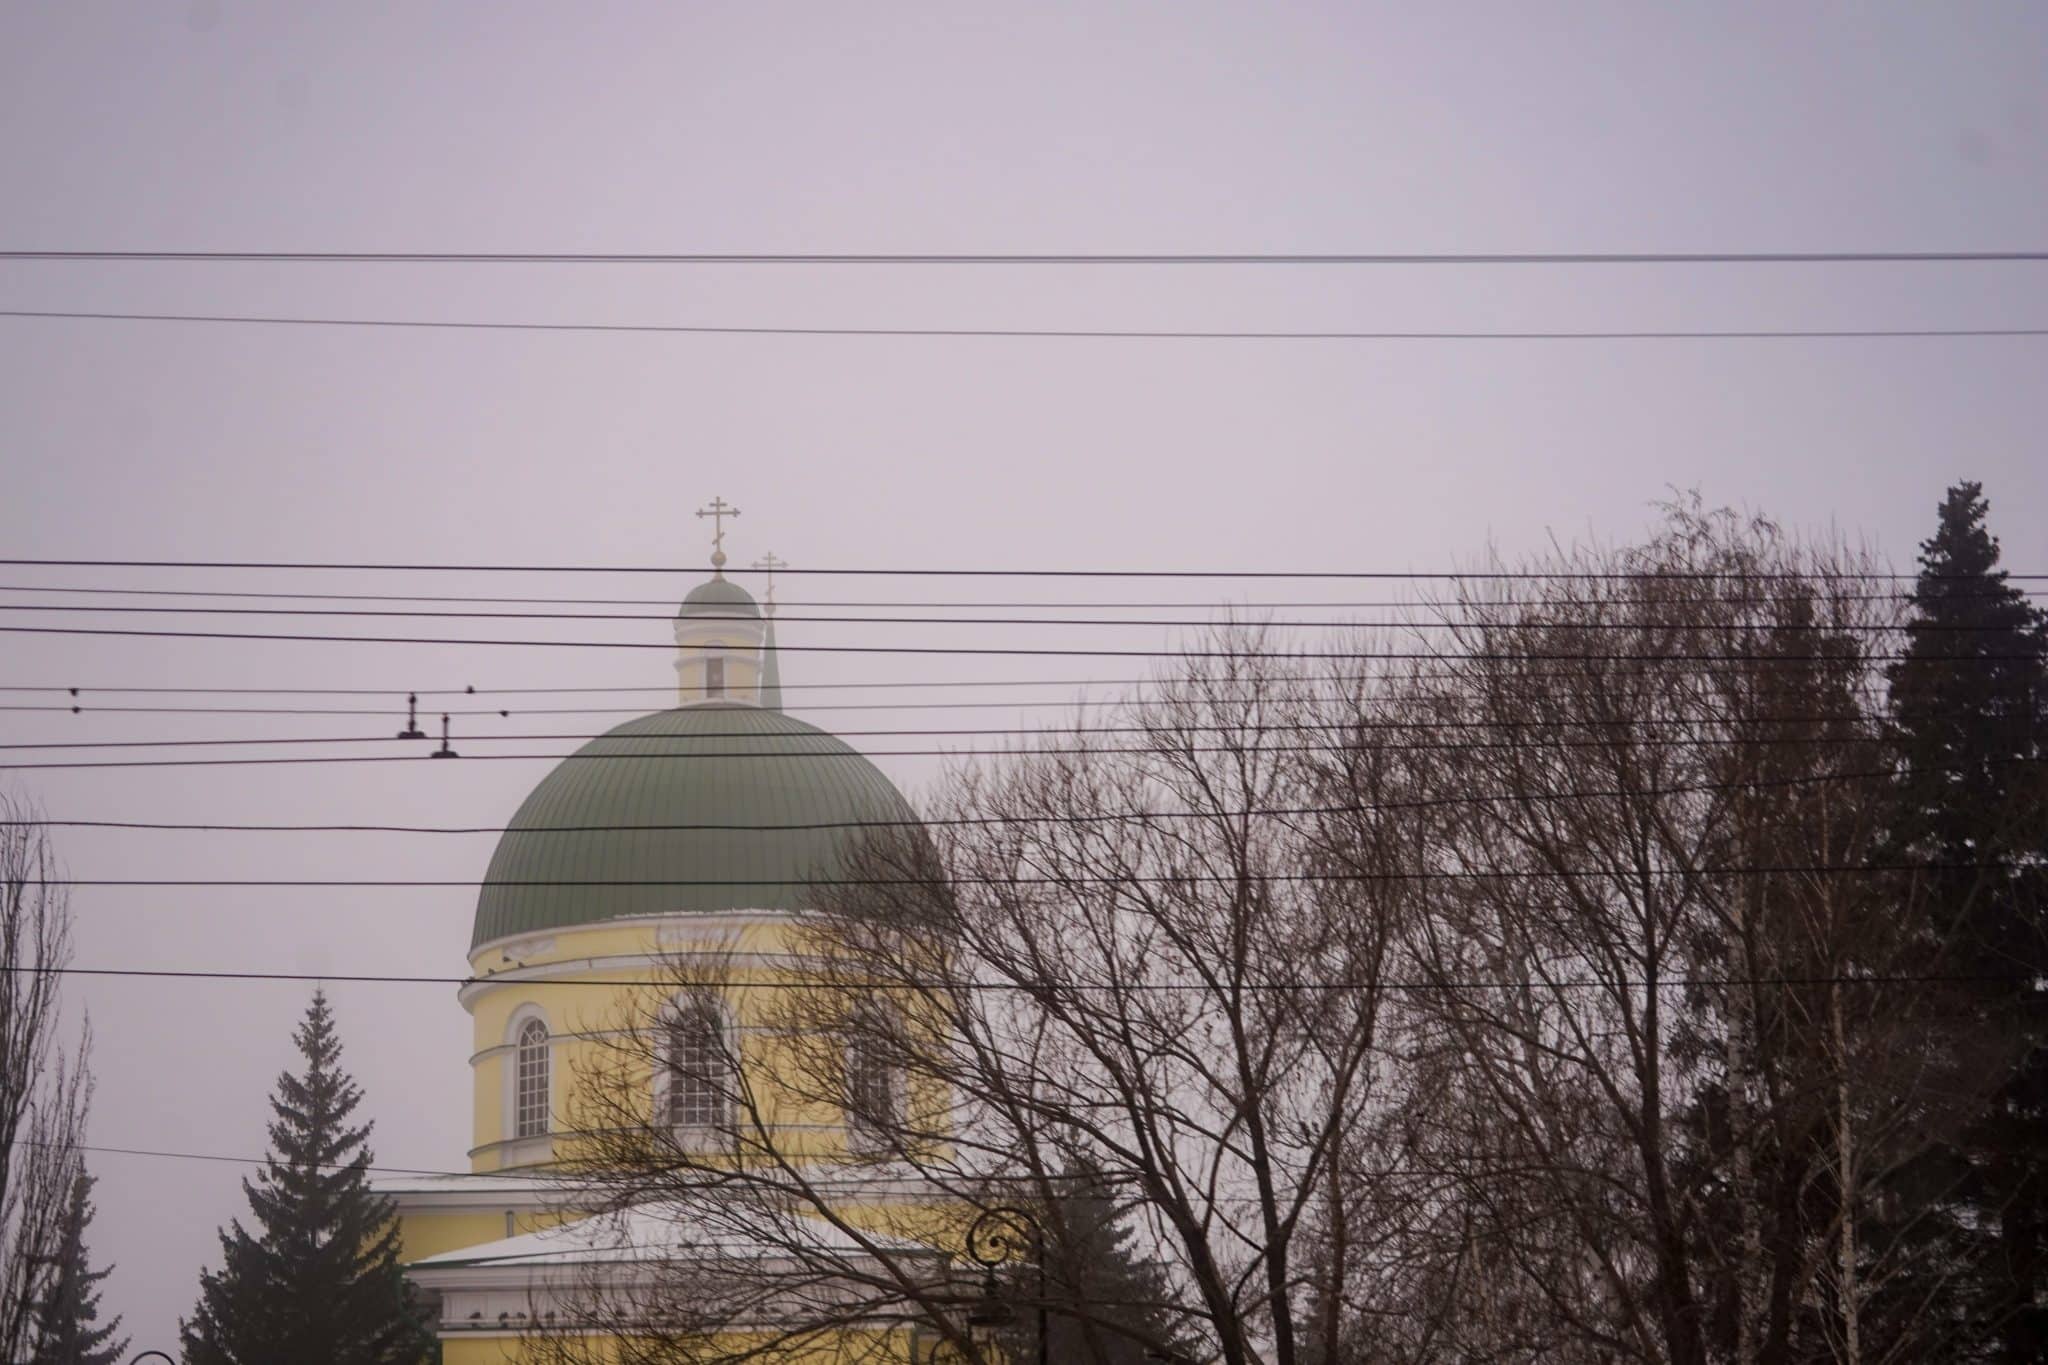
(1532, 995)
(1659, 1070)
(1131, 956)
(43, 1091)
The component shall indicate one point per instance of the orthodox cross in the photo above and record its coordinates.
(771, 564)
(718, 511)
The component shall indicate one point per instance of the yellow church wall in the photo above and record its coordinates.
(482, 1351)
(742, 671)
(486, 1123)
(586, 1022)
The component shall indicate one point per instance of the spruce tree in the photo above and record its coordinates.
(1096, 1283)
(318, 1283)
(1968, 699)
(67, 1326)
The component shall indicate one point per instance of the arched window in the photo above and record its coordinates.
(874, 1094)
(530, 1081)
(714, 677)
(697, 1067)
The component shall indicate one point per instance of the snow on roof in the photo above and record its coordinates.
(661, 1232)
(455, 1182)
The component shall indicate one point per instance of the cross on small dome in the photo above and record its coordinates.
(718, 511)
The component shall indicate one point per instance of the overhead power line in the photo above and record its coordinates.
(1418, 623)
(502, 1177)
(311, 637)
(642, 753)
(1016, 704)
(264, 1161)
(1131, 879)
(985, 821)
(557, 1182)
(1650, 739)
(1387, 575)
(1044, 333)
(400, 692)
(1166, 736)
(1750, 731)
(1034, 258)
(85, 703)
(922, 605)
(1432, 986)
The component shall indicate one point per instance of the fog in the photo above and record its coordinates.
(880, 128)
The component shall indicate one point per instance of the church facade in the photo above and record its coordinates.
(697, 830)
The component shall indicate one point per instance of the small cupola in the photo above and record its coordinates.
(719, 632)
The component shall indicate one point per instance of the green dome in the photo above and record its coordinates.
(719, 597)
(754, 770)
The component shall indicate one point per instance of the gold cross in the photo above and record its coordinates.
(718, 511)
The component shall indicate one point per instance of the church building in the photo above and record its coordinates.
(700, 828)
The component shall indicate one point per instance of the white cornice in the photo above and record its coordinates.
(543, 972)
(734, 919)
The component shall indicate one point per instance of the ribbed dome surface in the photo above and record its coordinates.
(737, 766)
(719, 597)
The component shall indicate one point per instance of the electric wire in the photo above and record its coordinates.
(985, 821)
(983, 651)
(922, 604)
(1165, 733)
(509, 976)
(85, 706)
(955, 1180)
(96, 710)
(374, 1169)
(783, 757)
(1113, 878)
(1386, 575)
(1206, 258)
(1850, 628)
(1031, 733)
(1107, 879)
(1034, 333)
(472, 690)
(514, 1177)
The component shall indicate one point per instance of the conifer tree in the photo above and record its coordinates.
(67, 1326)
(319, 1278)
(1096, 1281)
(1969, 701)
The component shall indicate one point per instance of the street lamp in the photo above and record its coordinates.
(992, 1240)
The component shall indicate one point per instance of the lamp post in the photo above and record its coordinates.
(992, 1240)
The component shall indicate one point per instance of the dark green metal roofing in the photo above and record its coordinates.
(771, 670)
(719, 597)
(712, 764)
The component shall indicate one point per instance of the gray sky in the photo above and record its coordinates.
(887, 128)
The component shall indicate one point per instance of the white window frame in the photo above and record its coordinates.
(531, 1146)
(712, 1019)
(868, 1063)
(532, 1115)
